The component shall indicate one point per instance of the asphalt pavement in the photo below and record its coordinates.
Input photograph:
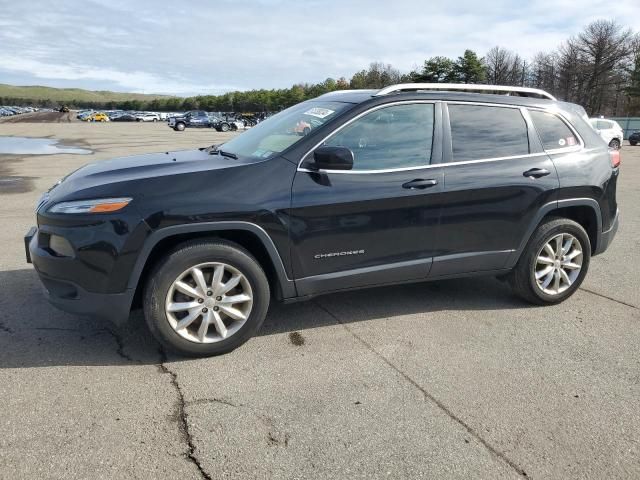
(454, 379)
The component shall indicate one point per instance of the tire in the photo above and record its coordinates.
(224, 127)
(633, 144)
(207, 256)
(615, 143)
(523, 277)
(179, 127)
(155, 120)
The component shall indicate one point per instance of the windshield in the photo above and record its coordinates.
(284, 129)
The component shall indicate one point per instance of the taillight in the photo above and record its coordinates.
(614, 155)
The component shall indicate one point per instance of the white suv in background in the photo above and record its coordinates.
(610, 131)
(147, 117)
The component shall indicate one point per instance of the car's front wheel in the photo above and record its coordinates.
(206, 298)
(554, 262)
(179, 127)
(224, 127)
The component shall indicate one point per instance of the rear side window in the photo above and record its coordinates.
(399, 136)
(554, 133)
(479, 132)
(607, 124)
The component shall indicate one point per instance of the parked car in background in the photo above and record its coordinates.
(96, 117)
(634, 138)
(192, 119)
(610, 131)
(223, 125)
(147, 117)
(82, 114)
(125, 117)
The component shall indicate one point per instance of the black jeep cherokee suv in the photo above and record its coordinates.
(405, 184)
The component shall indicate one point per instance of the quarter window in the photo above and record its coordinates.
(398, 136)
(480, 132)
(554, 133)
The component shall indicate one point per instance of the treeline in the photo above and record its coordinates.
(599, 69)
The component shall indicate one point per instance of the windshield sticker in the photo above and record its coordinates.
(319, 112)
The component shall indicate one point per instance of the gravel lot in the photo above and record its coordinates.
(456, 379)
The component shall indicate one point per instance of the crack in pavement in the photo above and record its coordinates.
(493, 450)
(120, 344)
(609, 298)
(181, 415)
(205, 401)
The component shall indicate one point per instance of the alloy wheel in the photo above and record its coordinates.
(209, 302)
(558, 264)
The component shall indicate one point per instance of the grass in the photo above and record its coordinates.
(37, 92)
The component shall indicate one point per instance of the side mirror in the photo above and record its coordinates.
(333, 158)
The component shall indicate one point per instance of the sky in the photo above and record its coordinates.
(194, 47)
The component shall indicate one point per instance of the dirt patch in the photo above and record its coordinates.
(41, 117)
(12, 184)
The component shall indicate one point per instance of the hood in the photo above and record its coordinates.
(141, 167)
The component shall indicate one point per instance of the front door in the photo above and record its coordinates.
(376, 223)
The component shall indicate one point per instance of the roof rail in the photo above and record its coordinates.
(500, 89)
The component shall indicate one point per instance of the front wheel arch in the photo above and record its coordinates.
(247, 235)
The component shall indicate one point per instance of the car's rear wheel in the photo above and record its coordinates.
(615, 143)
(554, 262)
(206, 298)
(179, 127)
(224, 127)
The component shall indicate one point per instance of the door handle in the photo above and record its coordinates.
(536, 173)
(420, 184)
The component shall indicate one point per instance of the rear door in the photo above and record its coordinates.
(377, 223)
(497, 177)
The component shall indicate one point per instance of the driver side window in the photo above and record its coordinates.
(398, 136)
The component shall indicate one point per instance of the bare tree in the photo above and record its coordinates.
(504, 67)
(598, 58)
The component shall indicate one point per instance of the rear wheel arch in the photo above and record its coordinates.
(249, 236)
(585, 211)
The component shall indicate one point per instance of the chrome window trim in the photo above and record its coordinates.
(432, 165)
(525, 115)
(346, 124)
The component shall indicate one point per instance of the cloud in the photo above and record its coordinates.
(208, 47)
(133, 81)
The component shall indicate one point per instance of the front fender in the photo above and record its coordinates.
(287, 286)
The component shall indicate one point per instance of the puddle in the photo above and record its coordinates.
(36, 146)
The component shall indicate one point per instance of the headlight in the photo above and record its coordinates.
(100, 205)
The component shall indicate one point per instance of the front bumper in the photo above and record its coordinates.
(67, 295)
(607, 237)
